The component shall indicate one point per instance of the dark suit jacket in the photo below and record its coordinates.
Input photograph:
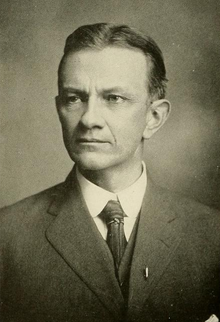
(55, 266)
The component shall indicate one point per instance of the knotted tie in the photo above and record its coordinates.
(114, 218)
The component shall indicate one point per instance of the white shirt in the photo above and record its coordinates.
(130, 199)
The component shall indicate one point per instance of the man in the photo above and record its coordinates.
(108, 244)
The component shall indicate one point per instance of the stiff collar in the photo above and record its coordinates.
(130, 198)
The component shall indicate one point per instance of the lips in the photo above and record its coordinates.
(90, 140)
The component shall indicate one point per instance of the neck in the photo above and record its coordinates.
(114, 180)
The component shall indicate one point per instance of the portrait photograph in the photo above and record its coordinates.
(110, 161)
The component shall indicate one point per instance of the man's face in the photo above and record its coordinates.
(102, 104)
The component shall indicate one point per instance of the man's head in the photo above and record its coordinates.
(111, 96)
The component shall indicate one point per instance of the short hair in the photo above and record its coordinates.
(101, 35)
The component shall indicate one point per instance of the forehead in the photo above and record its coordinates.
(111, 66)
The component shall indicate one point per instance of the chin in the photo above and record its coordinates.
(91, 162)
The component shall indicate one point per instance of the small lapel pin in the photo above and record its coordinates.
(213, 318)
(146, 272)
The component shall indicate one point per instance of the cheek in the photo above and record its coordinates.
(132, 127)
(129, 136)
(68, 122)
(139, 121)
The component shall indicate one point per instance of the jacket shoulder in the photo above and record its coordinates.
(199, 219)
(30, 210)
(40, 197)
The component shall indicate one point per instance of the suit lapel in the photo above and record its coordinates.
(158, 236)
(76, 238)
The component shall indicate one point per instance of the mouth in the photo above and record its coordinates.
(90, 141)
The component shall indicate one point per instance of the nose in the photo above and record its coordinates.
(92, 115)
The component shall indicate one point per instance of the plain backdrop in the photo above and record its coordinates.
(183, 156)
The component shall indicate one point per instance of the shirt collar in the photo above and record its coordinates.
(130, 198)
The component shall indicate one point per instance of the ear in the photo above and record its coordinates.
(157, 115)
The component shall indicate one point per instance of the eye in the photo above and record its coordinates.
(112, 98)
(73, 99)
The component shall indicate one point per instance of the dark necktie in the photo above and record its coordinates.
(113, 215)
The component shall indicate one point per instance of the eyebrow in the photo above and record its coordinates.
(73, 90)
(119, 89)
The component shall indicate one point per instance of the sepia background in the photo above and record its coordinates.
(184, 156)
